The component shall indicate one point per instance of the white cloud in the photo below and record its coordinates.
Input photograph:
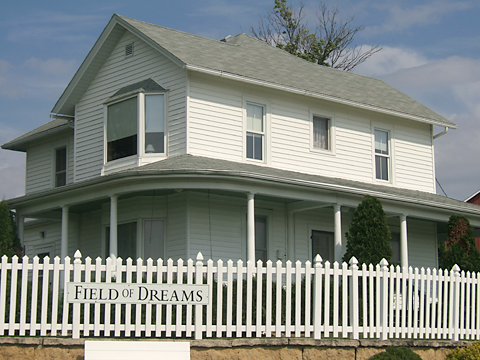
(36, 78)
(390, 60)
(402, 18)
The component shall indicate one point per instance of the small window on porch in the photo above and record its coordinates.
(126, 240)
(261, 242)
(395, 245)
(153, 240)
(322, 244)
(61, 167)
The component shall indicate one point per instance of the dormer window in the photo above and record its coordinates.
(135, 121)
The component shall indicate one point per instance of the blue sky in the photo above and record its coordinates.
(431, 51)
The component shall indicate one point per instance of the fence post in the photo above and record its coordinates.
(199, 308)
(455, 276)
(354, 297)
(3, 290)
(77, 276)
(384, 298)
(317, 297)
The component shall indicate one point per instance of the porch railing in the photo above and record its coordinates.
(319, 300)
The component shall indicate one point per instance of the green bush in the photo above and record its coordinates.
(460, 248)
(469, 352)
(368, 238)
(396, 353)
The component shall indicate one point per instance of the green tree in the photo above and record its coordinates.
(9, 241)
(368, 238)
(460, 247)
(332, 44)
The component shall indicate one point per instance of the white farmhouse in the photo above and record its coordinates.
(166, 144)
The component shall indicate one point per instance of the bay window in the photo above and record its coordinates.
(135, 125)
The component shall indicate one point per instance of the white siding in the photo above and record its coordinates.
(40, 163)
(116, 73)
(52, 231)
(216, 130)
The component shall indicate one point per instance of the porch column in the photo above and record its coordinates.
(403, 241)
(291, 236)
(338, 248)
(113, 226)
(251, 228)
(64, 236)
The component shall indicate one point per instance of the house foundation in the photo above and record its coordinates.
(13, 348)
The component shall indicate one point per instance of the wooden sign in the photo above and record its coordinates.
(119, 293)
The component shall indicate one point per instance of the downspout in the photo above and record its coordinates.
(441, 134)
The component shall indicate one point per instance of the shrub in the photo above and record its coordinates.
(396, 353)
(368, 238)
(460, 247)
(469, 352)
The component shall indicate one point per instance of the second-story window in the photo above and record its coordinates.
(61, 167)
(123, 120)
(382, 155)
(255, 142)
(321, 133)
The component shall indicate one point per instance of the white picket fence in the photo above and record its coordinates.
(318, 300)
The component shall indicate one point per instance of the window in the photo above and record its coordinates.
(322, 244)
(135, 125)
(261, 248)
(126, 240)
(382, 155)
(255, 131)
(395, 245)
(321, 133)
(122, 126)
(61, 167)
(153, 239)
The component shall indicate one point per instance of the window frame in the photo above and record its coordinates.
(330, 128)
(389, 156)
(266, 129)
(141, 157)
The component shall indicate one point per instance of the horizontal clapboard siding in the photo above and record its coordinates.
(422, 243)
(40, 163)
(216, 129)
(117, 72)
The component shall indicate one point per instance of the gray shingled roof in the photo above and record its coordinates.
(248, 57)
(208, 166)
(145, 85)
(19, 144)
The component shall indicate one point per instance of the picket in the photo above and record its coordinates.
(281, 300)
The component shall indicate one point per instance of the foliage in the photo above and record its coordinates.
(329, 45)
(469, 352)
(369, 236)
(396, 353)
(9, 241)
(460, 247)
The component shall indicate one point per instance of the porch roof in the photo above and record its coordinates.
(201, 168)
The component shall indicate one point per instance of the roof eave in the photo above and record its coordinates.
(299, 91)
(21, 144)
